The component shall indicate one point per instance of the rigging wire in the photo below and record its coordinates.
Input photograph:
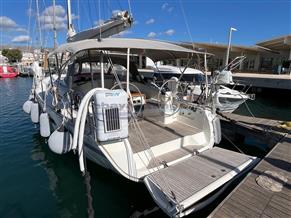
(186, 23)
(249, 110)
(95, 9)
(129, 7)
(87, 16)
(99, 8)
(38, 24)
(79, 20)
(119, 4)
(45, 33)
(141, 135)
(109, 8)
(29, 23)
(90, 15)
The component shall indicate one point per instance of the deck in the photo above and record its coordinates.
(249, 199)
(195, 174)
(156, 133)
(275, 81)
(265, 130)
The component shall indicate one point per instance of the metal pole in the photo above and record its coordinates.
(229, 43)
(69, 14)
(102, 70)
(38, 23)
(140, 61)
(206, 77)
(127, 72)
(71, 31)
(54, 23)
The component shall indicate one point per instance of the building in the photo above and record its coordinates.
(27, 58)
(270, 56)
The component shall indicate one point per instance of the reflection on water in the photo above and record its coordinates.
(38, 183)
(272, 104)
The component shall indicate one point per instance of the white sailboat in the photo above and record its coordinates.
(97, 104)
(225, 99)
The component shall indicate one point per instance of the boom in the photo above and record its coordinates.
(116, 24)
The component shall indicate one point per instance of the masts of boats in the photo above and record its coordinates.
(120, 121)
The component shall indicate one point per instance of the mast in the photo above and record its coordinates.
(54, 24)
(71, 31)
(38, 23)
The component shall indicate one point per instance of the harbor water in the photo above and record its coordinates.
(35, 182)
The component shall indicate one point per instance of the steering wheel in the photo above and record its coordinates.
(169, 94)
(131, 101)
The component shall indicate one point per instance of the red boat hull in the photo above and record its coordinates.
(7, 72)
(8, 75)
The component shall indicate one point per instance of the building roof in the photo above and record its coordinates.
(214, 47)
(278, 43)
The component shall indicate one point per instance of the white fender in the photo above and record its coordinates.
(44, 125)
(60, 141)
(34, 112)
(27, 106)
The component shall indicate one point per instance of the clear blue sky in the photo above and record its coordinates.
(209, 20)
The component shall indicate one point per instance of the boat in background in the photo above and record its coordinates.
(8, 72)
(225, 99)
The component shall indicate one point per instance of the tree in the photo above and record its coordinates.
(4, 52)
(14, 55)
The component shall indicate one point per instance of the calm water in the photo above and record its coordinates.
(34, 182)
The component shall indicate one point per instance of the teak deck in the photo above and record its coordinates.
(190, 176)
(249, 199)
(155, 133)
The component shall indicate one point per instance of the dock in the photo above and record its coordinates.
(261, 80)
(249, 199)
(265, 131)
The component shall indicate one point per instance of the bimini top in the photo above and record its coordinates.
(156, 50)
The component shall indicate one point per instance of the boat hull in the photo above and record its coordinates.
(92, 151)
(8, 75)
(7, 72)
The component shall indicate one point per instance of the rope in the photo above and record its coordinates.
(225, 117)
(87, 180)
(249, 110)
(232, 143)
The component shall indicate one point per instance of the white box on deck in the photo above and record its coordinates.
(111, 114)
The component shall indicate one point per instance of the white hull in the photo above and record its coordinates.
(165, 142)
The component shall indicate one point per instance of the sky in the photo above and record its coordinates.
(172, 20)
